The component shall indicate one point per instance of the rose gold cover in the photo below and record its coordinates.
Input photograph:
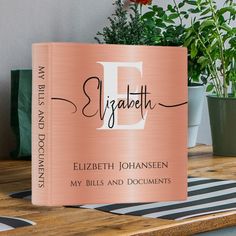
(75, 138)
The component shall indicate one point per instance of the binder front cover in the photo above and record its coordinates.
(118, 128)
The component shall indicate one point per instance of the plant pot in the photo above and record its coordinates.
(222, 112)
(195, 106)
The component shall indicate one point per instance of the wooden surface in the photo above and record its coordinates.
(15, 176)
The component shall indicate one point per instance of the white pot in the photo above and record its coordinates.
(195, 107)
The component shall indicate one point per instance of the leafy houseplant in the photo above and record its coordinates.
(172, 30)
(125, 28)
(159, 27)
(211, 41)
(214, 34)
(171, 26)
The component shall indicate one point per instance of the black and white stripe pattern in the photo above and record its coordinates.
(205, 196)
(9, 223)
(22, 195)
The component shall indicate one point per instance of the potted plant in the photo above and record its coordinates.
(214, 35)
(126, 27)
(167, 27)
(161, 27)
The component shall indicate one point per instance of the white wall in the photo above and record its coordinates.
(23, 22)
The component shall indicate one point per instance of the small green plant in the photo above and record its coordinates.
(167, 23)
(157, 27)
(212, 33)
(170, 23)
(124, 28)
(210, 39)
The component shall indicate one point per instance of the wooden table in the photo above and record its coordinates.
(15, 176)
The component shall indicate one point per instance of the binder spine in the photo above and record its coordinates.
(40, 125)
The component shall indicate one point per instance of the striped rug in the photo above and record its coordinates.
(9, 223)
(205, 196)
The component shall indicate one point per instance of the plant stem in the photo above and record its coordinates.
(177, 9)
(213, 69)
(216, 84)
(234, 89)
(221, 47)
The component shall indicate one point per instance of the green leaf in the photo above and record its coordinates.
(226, 27)
(207, 23)
(186, 16)
(193, 51)
(193, 3)
(148, 15)
(210, 87)
(169, 21)
(173, 16)
(229, 9)
(181, 4)
(160, 11)
(188, 33)
(205, 12)
(160, 23)
(194, 10)
(214, 44)
(164, 17)
(205, 17)
(196, 25)
(202, 60)
(150, 23)
(157, 32)
(232, 42)
(169, 7)
(155, 8)
(221, 19)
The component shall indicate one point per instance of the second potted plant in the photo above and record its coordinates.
(214, 35)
